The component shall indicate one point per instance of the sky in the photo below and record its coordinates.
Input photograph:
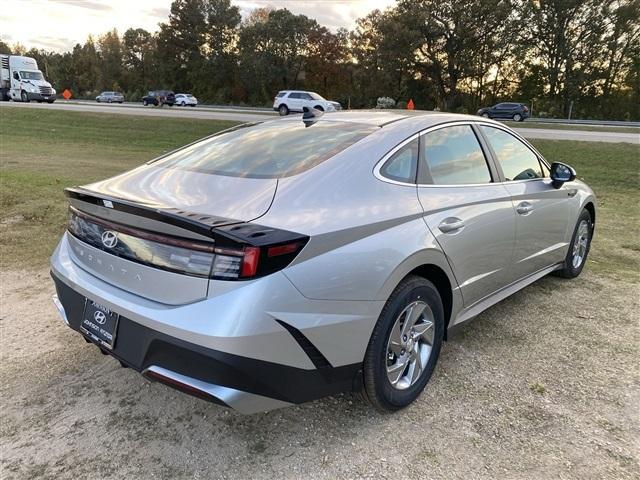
(59, 24)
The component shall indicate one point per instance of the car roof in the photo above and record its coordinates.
(379, 118)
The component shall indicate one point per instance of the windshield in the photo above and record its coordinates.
(267, 150)
(315, 96)
(26, 75)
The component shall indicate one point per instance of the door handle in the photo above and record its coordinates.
(451, 224)
(524, 208)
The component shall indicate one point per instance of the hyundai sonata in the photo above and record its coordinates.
(282, 261)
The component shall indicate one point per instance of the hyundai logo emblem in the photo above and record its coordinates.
(99, 317)
(109, 239)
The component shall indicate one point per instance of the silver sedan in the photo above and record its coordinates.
(281, 261)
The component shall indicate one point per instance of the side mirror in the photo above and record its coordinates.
(16, 76)
(561, 173)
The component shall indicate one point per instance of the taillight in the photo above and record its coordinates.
(526, 109)
(230, 256)
(250, 262)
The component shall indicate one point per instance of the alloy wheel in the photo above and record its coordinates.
(580, 244)
(410, 344)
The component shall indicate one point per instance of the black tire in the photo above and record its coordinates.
(24, 97)
(192, 104)
(283, 110)
(517, 117)
(50, 101)
(109, 101)
(145, 103)
(183, 104)
(378, 390)
(569, 269)
(485, 115)
(98, 100)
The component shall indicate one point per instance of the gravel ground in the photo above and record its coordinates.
(543, 385)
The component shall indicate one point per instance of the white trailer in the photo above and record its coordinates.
(21, 81)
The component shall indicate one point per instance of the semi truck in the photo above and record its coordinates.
(21, 81)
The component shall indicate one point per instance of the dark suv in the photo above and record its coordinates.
(515, 111)
(159, 97)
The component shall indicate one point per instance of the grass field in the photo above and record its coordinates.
(41, 152)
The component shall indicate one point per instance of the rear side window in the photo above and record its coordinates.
(294, 95)
(280, 94)
(267, 150)
(453, 156)
(517, 161)
(402, 165)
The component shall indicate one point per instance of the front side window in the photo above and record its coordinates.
(402, 165)
(267, 150)
(517, 161)
(453, 156)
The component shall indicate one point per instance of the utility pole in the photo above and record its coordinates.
(570, 109)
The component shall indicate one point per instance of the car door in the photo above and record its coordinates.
(467, 209)
(499, 111)
(542, 211)
(294, 102)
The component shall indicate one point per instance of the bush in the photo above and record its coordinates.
(385, 102)
(402, 105)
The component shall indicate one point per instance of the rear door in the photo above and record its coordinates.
(542, 211)
(294, 101)
(466, 208)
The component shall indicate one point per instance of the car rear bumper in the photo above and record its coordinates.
(266, 367)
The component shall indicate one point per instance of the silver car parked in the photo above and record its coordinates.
(110, 97)
(278, 262)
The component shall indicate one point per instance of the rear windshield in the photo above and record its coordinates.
(267, 150)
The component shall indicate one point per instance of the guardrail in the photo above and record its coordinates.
(610, 123)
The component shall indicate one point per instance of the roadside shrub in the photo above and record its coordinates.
(385, 102)
(402, 105)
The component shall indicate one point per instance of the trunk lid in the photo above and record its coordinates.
(237, 198)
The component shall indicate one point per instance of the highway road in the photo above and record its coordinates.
(250, 115)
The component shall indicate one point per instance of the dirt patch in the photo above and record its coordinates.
(543, 385)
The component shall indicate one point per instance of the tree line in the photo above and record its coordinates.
(581, 56)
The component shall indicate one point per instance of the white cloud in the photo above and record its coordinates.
(60, 24)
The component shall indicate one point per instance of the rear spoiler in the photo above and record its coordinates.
(223, 231)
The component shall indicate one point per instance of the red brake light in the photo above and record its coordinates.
(250, 261)
(283, 249)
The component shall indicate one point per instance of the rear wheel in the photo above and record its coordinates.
(24, 97)
(50, 101)
(145, 103)
(517, 117)
(183, 103)
(283, 110)
(485, 115)
(404, 346)
(579, 247)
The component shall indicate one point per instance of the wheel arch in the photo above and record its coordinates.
(440, 280)
(431, 265)
(591, 208)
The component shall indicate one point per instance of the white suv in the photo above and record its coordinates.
(295, 100)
